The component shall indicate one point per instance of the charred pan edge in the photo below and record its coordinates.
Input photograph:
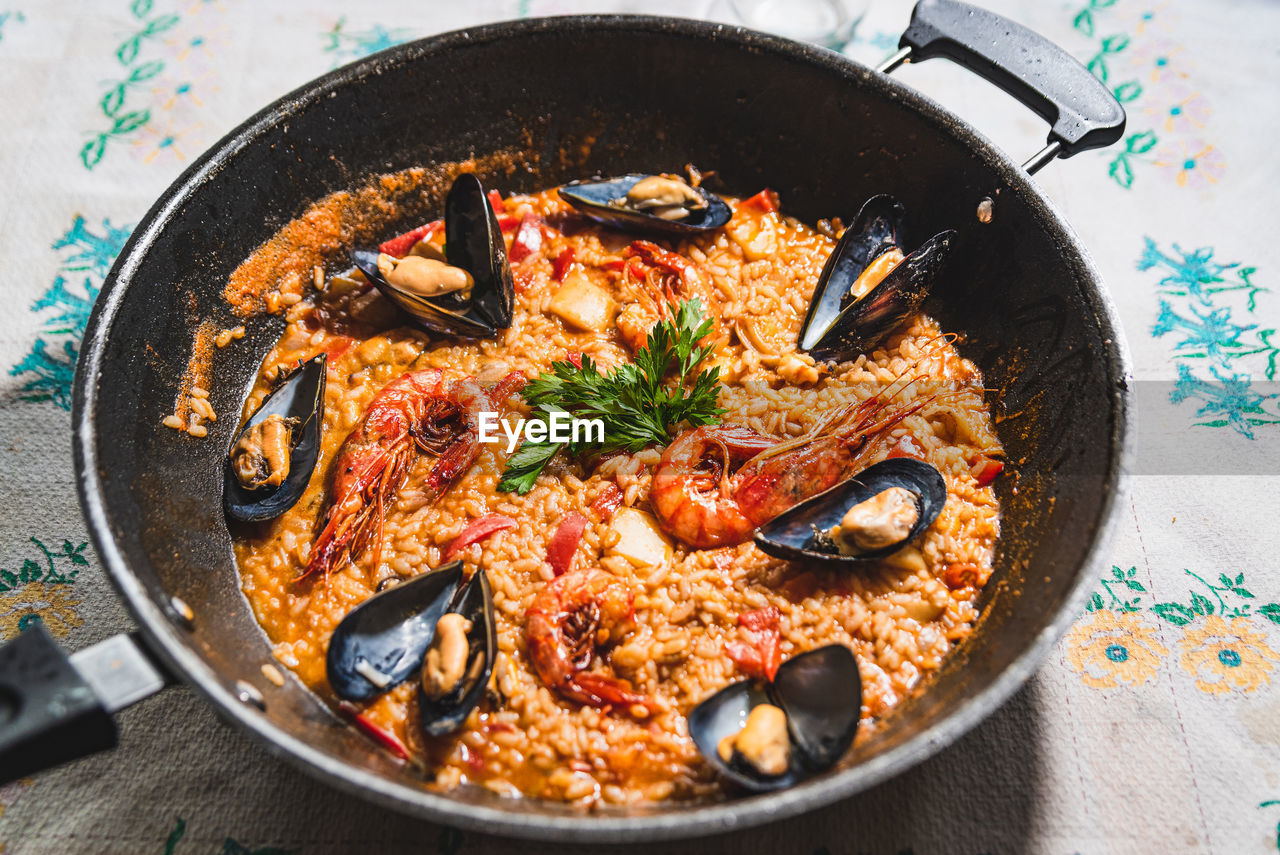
(538, 821)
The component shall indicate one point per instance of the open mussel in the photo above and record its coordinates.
(871, 515)
(662, 204)
(767, 736)
(869, 284)
(438, 626)
(271, 460)
(470, 292)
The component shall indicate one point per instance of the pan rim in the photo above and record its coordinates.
(685, 821)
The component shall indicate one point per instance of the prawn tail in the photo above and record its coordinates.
(599, 690)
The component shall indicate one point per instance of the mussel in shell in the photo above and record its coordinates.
(471, 291)
(869, 516)
(438, 627)
(767, 736)
(272, 457)
(870, 284)
(661, 204)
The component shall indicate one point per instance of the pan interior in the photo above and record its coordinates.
(1022, 295)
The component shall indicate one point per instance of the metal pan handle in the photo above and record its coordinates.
(1081, 109)
(55, 708)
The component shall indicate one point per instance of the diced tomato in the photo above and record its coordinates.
(574, 356)
(607, 502)
(958, 576)
(400, 245)
(759, 655)
(564, 544)
(985, 469)
(507, 222)
(766, 201)
(615, 264)
(477, 530)
(385, 738)
(495, 199)
(562, 263)
(906, 447)
(528, 239)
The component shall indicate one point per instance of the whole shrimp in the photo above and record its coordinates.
(568, 619)
(418, 411)
(715, 485)
(653, 280)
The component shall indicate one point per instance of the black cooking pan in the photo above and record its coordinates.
(573, 96)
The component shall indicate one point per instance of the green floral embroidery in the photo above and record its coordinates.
(71, 558)
(347, 45)
(1229, 599)
(50, 366)
(7, 17)
(1274, 803)
(1122, 581)
(230, 846)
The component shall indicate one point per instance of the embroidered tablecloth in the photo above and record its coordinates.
(1154, 727)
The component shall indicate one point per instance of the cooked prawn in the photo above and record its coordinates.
(418, 411)
(715, 485)
(653, 281)
(568, 619)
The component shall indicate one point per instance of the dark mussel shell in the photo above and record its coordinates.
(598, 199)
(837, 328)
(300, 397)
(821, 693)
(723, 714)
(447, 714)
(393, 630)
(791, 534)
(473, 242)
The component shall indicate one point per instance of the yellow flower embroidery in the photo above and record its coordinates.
(1112, 649)
(1225, 656)
(48, 603)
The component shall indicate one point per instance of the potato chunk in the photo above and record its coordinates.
(583, 304)
(640, 541)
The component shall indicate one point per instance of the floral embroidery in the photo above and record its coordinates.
(1122, 581)
(230, 846)
(143, 74)
(1224, 657)
(51, 365)
(1229, 599)
(1112, 649)
(10, 17)
(41, 593)
(1204, 328)
(346, 45)
(1193, 163)
(1273, 803)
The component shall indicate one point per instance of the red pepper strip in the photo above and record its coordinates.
(759, 655)
(615, 264)
(607, 502)
(399, 246)
(495, 199)
(560, 267)
(985, 469)
(765, 201)
(574, 356)
(564, 544)
(906, 447)
(477, 530)
(507, 222)
(385, 738)
(528, 239)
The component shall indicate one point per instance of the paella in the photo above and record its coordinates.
(615, 493)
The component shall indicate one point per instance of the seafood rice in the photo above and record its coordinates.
(667, 604)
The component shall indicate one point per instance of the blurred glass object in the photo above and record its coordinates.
(829, 23)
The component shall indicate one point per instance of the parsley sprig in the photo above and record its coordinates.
(637, 404)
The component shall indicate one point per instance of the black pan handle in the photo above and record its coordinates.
(1082, 110)
(55, 708)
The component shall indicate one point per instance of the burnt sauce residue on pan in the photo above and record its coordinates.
(585, 607)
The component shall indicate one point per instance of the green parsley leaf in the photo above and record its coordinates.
(636, 403)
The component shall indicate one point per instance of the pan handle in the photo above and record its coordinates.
(1044, 77)
(55, 708)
